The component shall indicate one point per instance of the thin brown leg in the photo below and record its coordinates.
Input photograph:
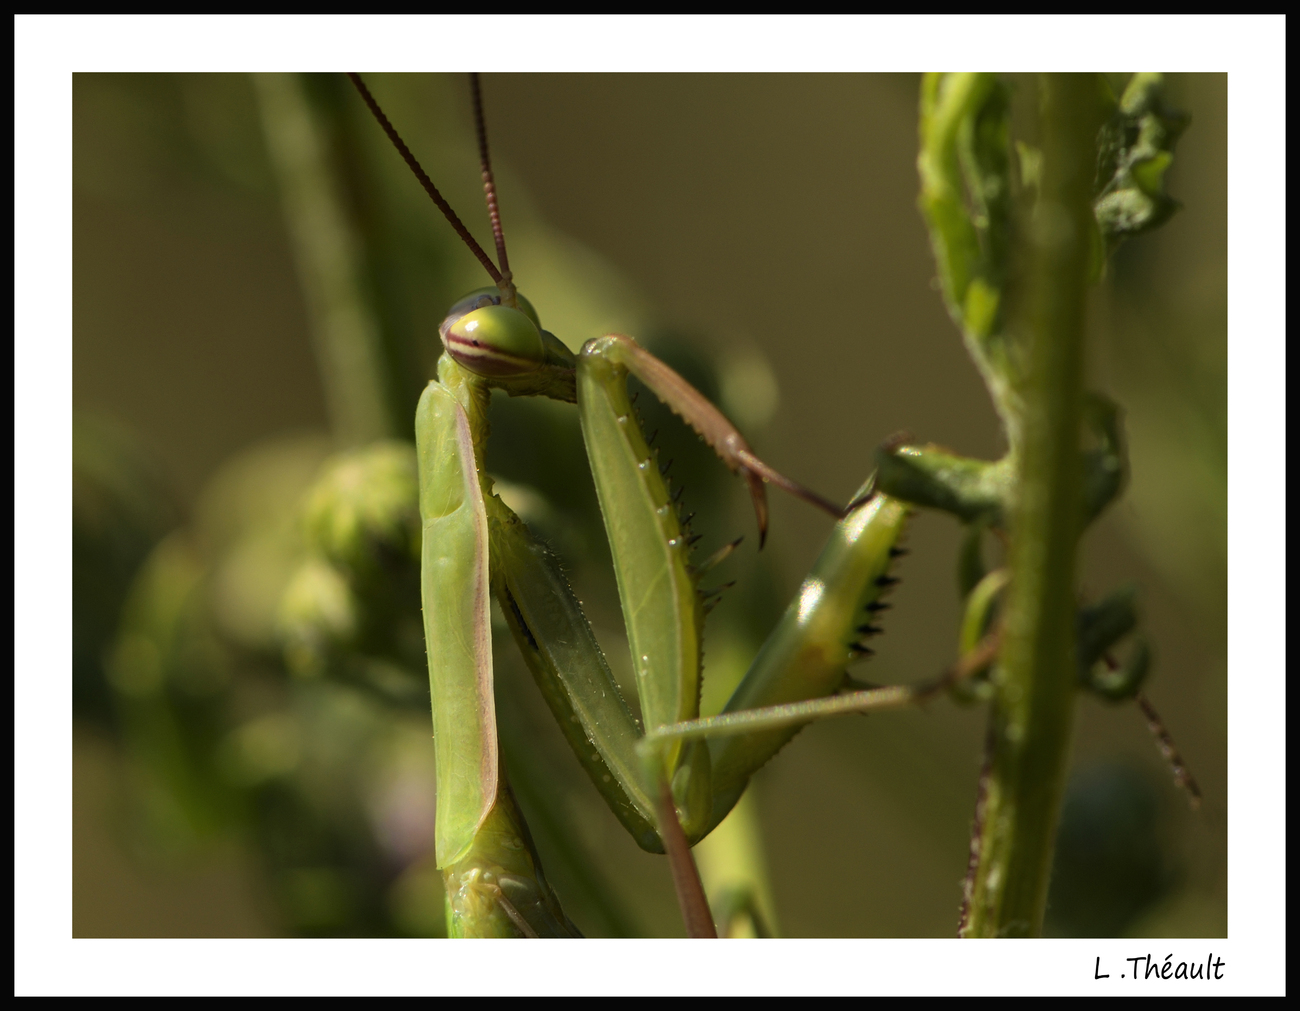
(686, 876)
(1182, 776)
(976, 836)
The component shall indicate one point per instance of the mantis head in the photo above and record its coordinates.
(493, 333)
(507, 347)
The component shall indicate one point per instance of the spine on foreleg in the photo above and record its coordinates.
(818, 637)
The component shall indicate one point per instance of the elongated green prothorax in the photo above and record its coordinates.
(454, 578)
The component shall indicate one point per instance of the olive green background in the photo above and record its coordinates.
(772, 216)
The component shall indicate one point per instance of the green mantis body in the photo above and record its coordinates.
(667, 786)
(473, 541)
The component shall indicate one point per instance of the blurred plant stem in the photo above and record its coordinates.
(733, 867)
(1033, 705)
(732, 858)
(328, 254)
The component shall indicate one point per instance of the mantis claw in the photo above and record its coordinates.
(758, 492)
(757, 469)
(691, 406)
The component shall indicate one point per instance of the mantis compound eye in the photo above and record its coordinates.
(480, 298)
(495, 342)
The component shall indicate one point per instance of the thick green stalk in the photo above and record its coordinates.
(1033, 706)
(328, 254)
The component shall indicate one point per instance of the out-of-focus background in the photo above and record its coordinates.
(760, 233)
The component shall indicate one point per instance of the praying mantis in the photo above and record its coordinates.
(673, 784)
(908, 465)
(671, 780)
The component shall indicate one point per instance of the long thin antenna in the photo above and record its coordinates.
(427, 183)
(489, 184)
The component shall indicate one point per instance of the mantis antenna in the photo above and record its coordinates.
(490, 191)
(669, 386)
(432, 190)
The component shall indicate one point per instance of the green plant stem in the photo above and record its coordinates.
(328, 254)
(1033, 707)
(733, 868)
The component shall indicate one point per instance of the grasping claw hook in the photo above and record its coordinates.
(692, 407)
